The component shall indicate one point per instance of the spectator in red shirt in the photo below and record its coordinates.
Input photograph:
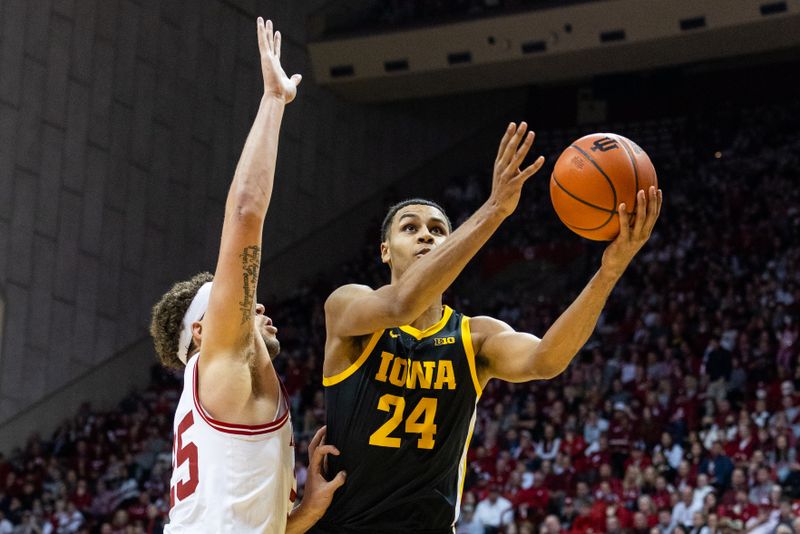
(584, 523)
(82, 499)
(638, 458)
(538, 496)
(137, 510)
(742, 509)
(646, 506)
(661, 495)
(741, 447)
(596, 455)
(640, 524)
(738, 483)
(619, 437)
(573, 443)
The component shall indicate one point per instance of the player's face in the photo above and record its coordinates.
(416, 230)
(268, 332)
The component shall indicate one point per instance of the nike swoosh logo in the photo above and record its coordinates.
(392, 334)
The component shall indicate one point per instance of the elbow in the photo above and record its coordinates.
(404, 308)
(549, 365)
(402, 312)
(549, 372)
(247, 208)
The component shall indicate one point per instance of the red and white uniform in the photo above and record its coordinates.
(226, 477)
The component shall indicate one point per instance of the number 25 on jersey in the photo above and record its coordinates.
(185, 453)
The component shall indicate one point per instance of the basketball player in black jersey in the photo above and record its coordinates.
(403, 373)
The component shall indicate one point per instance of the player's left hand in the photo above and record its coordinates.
(276, 83)
(634, 231)
(319, 492)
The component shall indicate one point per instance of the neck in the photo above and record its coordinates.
(430, 316)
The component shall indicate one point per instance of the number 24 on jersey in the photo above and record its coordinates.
(420, 421)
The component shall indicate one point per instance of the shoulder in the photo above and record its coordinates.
(345, 293)
(484, 324)
(482, 327)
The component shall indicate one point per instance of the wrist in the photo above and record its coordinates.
(495, 209)
(307, 513)
(273, 99)
(610, 275)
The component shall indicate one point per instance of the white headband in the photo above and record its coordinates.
(195, 312)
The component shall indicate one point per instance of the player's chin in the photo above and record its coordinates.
(273, 345)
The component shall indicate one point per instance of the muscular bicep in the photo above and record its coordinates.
(357, 310)
(505, 353)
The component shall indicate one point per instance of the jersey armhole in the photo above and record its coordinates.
(335, 379)
(466, 338)
(237, 429)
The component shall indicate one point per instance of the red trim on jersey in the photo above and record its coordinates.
(242, 430)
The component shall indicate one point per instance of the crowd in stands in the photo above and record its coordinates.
(681, 414)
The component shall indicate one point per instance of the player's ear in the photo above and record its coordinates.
(386, 255)
(197, 333)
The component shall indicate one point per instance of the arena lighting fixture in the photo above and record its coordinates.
(611, 36)
(773, 8)
(397, 65)
(458, 58)
(342, 71)
(693, 23)
(532, 47)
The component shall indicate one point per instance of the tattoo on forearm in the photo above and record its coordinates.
(251, 258)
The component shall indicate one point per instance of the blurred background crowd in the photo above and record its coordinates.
(681, 414)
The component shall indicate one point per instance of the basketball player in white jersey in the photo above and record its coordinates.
(233, 450)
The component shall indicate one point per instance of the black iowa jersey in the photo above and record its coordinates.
(402, 416)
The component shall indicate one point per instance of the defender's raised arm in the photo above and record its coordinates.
(228, 324)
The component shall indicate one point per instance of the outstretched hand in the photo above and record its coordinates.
(633, 234)
(276, 83)
(508, 179)
(319, 492)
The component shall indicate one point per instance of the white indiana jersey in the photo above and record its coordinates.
(227, 477)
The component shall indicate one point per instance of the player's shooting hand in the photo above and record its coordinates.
(319, 491)
(634, 231)
(508, 179)
(276, 83)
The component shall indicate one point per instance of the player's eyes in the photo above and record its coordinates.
(437, 230)
(409, 228)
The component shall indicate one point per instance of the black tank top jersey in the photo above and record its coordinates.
(402, 416)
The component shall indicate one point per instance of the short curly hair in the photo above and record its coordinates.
(166, 321)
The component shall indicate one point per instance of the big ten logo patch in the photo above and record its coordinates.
(444, 341)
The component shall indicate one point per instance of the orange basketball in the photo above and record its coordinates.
(592, 177)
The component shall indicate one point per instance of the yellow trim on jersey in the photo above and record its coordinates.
(335, 379)
(431, 330)
(466, 338)
(465, 453)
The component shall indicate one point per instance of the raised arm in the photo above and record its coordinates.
(519, 357)
(355, 310)
(228, 325)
